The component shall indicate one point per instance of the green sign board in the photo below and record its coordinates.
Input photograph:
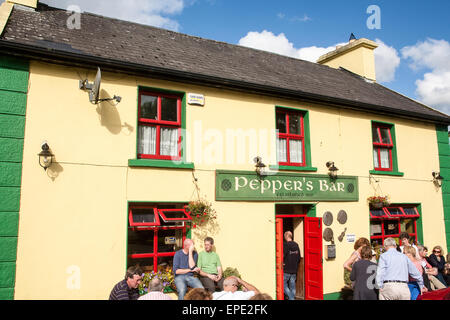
(247, 186)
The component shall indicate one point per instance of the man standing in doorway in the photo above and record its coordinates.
(291, 259)
(184, 266)
(210, 267)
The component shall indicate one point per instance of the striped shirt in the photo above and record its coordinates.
(121, 291)
(155, 295)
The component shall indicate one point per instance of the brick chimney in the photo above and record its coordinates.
(356, 56)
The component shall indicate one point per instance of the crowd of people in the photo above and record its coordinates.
(201, 272)
(401, 273)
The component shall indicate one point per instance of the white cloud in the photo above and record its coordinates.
(387, 61)
(150, 12)
(434, 55)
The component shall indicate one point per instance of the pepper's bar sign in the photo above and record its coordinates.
(247, 186)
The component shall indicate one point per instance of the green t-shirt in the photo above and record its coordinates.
(208, 262)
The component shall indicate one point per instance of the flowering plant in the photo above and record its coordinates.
(165, 275)
(378, 201)
(201, 212)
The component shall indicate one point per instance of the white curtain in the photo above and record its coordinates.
(384, 157)
(296, 151)
(169, 142)
(375, 158)
(147, 140)
(281, 150)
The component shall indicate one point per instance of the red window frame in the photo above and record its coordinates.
(388, 217)
(289, 136)
(163, 212)
(155, 228)
(378, 146)
(143, 224)
(158, 123)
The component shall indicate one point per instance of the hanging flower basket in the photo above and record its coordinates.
(378, 202)
(201, 212)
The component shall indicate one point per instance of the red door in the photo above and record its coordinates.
(279, 258)
(313, 259)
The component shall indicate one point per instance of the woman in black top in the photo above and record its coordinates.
(362, 270)
(436, 259)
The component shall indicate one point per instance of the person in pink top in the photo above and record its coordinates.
(412, 284)
(155, 291)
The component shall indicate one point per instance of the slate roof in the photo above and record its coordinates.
(223, 64)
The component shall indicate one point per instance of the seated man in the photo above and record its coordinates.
(210, 267)
(127, 289)
(184, 266)
(156, 291)
(230, 287)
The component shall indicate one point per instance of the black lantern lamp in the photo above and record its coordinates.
(259, 166)
(332, 170)
(437, 178)
(45, 156)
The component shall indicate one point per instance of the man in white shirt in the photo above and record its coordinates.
(231, 292)
(404, 240)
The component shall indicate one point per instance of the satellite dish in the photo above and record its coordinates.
(94, 89)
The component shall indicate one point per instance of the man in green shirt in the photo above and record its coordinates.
(210, 267)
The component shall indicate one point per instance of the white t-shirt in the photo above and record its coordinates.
(237, 295)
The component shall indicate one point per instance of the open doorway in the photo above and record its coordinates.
(307, 233)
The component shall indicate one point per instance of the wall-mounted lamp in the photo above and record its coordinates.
(437, 178)
(45, 156)
(259, 166)
(332, 170)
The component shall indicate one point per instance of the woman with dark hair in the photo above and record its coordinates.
(361, 272)
(355, 256)
(437, 260)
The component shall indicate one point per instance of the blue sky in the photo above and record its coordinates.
(413, 57)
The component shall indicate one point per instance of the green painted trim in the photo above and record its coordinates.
(312, 212)
(7, 274)
(332, 296)
(419, 224)
(307, 132)
(291, 168)
(12, 126)
(13, 103)
(8, 249)
(11, 150)
(9, 224)
(11, 62)
(11, 174)
(387, 173)
(394, 171)
(159, 164)
(6, 294)
(14, 80)
(9, 199)
(444, 164)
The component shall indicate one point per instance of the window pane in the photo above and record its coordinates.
(281, 122)
(169, 142)
(376, 243)
(296, 151)
(407, 225)
(147, 140)
(140, 241)
(385, 137)
(375, 135)
(146, 264)
(375, 158)
(375, 228)
(295, 124)
(169, 109)
(377, 212)
(395, 211)
(165, 263)
(170, 240)
(143, 215)
(390, 227)
(149, 107)
(410, 211)
(282, 150)
(384, 157)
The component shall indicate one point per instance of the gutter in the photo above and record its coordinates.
(84, 60)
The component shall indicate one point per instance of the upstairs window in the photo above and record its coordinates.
(382, 147)
(159, 134)
(290, 138)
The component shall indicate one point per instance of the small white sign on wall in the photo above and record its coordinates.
(196, 99)
(351, 238)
